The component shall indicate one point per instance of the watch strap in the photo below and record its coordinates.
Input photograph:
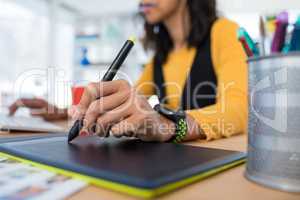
(180, 131)
(179, 119)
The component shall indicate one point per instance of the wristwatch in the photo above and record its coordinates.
(179, 119)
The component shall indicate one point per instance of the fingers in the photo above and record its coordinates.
(108, 119)
(94, 91)
(146, 129)
(77, 112)
(13, 108)
(38, 113)
(110, 109)
(30, 103)
(43, 113)
(127, 127)
(133, 126)
(101, 89)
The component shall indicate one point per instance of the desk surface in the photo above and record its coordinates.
(229, 185)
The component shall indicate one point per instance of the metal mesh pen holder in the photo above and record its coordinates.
(274, 121)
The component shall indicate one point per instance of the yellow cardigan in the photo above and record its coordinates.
(229, 115)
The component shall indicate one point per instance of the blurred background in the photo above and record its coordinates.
(48, 46)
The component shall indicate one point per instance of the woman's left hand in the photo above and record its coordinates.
(121, 111)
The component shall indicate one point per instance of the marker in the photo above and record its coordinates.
(109, 76)
(242, 33)
(246, 47)
(298, 21)
(282, 23)
(295, 41)
(262, 31)
(248, 43)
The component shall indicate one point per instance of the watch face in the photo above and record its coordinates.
(167, 111)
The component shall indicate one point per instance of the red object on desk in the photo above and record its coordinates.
(77, 94)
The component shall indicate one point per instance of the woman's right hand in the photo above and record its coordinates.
(39, 108)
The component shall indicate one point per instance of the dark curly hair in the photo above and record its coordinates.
(202, 13)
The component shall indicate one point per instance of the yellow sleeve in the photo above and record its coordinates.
(229, 115)
(145, 84)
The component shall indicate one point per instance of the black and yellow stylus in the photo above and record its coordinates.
(109, 76)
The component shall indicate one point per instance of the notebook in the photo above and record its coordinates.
(125, 165)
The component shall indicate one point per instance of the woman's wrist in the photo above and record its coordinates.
(167, 129)
(194, 129)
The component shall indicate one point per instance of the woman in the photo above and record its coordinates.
(198, 67)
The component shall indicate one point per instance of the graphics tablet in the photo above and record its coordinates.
(125, 165)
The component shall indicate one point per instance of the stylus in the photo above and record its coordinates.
(109, 76)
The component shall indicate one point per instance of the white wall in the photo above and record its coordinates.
(258, 6)
(98, 7)
(31, 40)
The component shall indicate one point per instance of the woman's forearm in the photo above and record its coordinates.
(194, 130)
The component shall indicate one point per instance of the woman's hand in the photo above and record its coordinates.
(39, 108)
(120, 111)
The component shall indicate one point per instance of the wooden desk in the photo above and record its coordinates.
(229, 185)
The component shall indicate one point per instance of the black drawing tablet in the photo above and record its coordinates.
(146, 169)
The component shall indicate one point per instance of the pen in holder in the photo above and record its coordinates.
(274, 121)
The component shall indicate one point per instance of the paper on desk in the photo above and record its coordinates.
(23, 181)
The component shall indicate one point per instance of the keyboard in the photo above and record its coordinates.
(20, 123)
